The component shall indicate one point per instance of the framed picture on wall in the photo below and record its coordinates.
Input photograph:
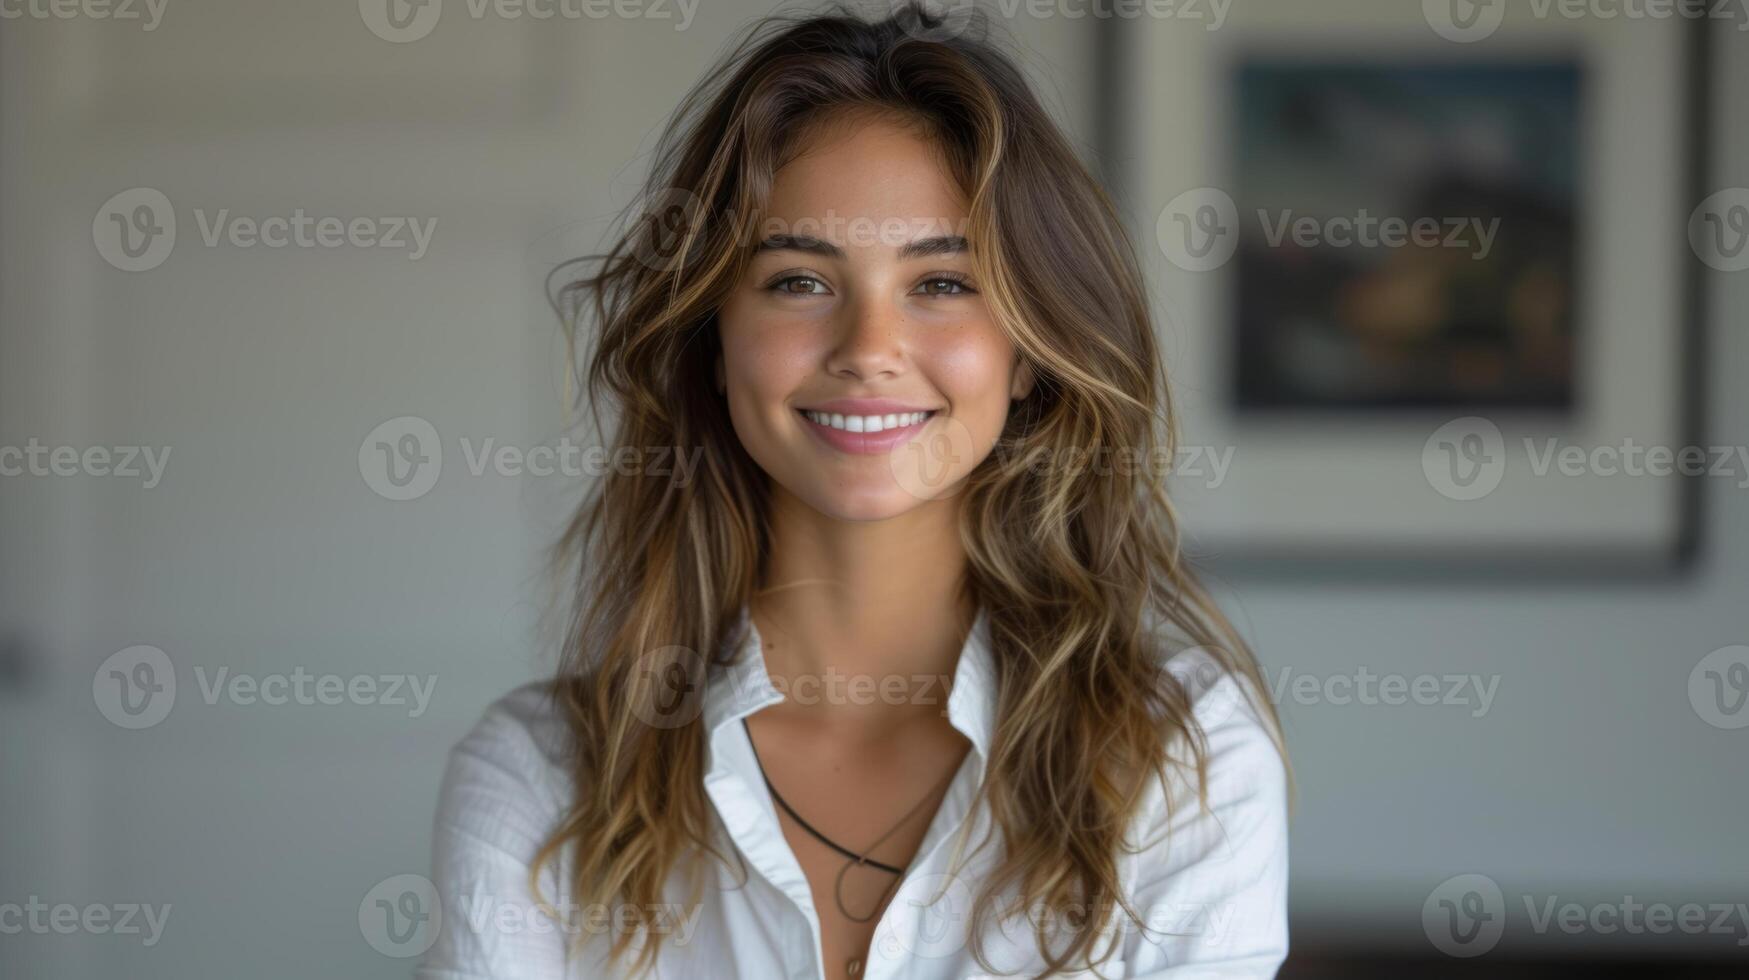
(1427, 294)
(1414, 239)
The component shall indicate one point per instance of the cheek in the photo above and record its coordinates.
(763, 357)
(974, 369)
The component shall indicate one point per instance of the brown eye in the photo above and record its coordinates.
(797, 286)
(944, 285)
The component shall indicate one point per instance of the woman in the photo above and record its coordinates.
(906, 680)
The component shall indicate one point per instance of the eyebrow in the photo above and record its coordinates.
(937, 245)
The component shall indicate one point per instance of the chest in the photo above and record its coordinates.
(854, 824)
(850, 897)
(774, 911)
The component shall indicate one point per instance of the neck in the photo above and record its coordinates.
(863, 622)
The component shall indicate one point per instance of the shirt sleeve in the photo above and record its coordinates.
(495, 810)
(1211, 885)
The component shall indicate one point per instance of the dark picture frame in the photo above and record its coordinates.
(1389, 527)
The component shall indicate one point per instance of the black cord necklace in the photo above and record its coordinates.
(855, 965)
(793, 815)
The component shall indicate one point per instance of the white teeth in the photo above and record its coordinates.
(866, 423)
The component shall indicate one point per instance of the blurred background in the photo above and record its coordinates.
(283, 432)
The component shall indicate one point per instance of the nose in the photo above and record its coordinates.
(870, 339)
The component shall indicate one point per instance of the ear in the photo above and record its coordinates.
(1023, 380)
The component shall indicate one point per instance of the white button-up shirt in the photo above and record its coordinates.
(1213, 901)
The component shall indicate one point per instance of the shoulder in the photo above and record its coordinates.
(1211, 866)
(1243, 754)
(504, 791)
(527, 718)
(508, 776)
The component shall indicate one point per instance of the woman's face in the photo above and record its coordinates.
(858, 310)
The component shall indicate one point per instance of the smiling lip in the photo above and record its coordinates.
(864, 443)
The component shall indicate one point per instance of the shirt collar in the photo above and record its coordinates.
(743, 685)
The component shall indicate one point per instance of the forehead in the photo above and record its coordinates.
(869, 168)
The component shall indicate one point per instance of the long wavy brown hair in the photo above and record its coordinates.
(1076, 566)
